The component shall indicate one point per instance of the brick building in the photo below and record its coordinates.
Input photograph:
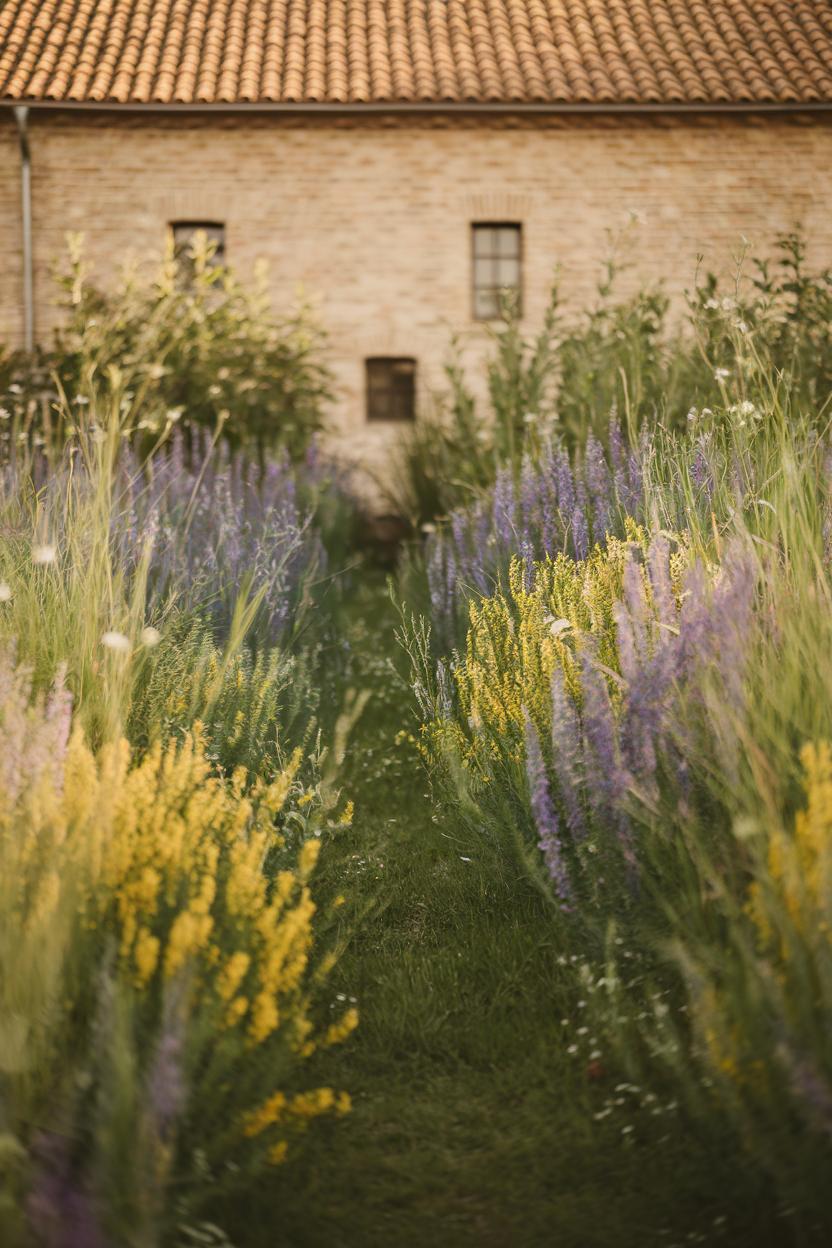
(403, 159)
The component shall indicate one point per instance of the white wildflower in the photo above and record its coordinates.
(150, 637)
(115, 641)
(720, 374)
(556, 627)
(5, 592)
(43, 554)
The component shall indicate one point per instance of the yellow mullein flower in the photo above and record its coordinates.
(266, 1116)
(233, 974)
(167, 859)
(308, 858)
(339, 1031)
(146, 956)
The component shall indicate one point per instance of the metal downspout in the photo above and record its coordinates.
(21, 115)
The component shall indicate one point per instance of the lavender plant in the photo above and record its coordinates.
(555, 504)
(113, 552)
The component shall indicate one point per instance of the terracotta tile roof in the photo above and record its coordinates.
(615, 52)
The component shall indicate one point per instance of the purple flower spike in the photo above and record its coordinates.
(568, 752)
(545, 818)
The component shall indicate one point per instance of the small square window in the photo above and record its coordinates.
(185, 232)
(497, 257)
(391, 388)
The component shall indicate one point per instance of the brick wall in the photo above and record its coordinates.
(373, 219)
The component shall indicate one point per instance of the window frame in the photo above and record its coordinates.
(369, 389)
(475, 287)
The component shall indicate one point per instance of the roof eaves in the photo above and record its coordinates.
(446, 107)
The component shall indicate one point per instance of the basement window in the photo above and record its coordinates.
(391, 388)
(185, 234)
(497, 257)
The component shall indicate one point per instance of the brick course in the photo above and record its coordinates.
(373, 217)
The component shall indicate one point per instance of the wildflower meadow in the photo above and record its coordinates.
(483, 902)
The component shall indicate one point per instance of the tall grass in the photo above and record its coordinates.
(645, 727)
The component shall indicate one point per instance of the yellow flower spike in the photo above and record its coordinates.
(264, 1018)
(275, 797)
(277, 1153)
(236, 1011)
(269, 1113)
(339, 1031)
(166, 858)
(146, 956)
(800, 864)
(233, 974)
(311, 1104)
(308, 858)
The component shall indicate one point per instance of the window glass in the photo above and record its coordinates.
(391, 388)
(184, 233)
(496, 268)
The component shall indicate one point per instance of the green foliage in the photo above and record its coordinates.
(254, 708)
(191, 343)
(769, 330)
(449, 457)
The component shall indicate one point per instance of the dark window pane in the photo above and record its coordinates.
(391, 389)
(185, 232)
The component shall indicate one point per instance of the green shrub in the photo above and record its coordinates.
(190, 343)
(624, 358)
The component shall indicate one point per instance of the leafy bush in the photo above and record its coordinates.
(188, 343)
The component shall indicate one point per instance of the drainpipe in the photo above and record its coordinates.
(21, 114)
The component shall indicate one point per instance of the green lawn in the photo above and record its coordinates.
(472, 1124)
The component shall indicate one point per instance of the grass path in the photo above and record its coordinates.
(471, 1125)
